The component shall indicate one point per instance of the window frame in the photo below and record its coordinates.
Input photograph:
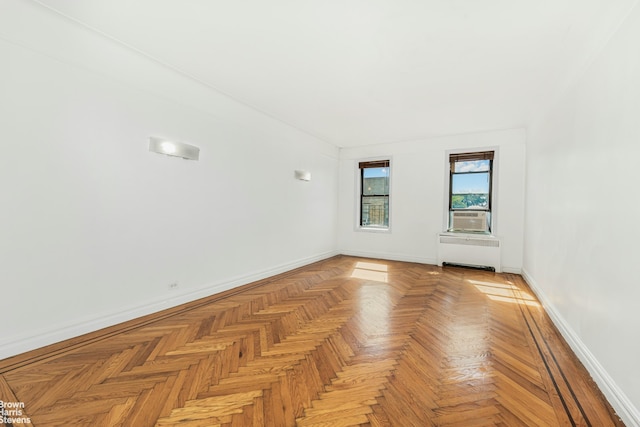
(361, 165)
(467, 156)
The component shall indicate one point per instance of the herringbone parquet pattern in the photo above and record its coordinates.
(339, 343)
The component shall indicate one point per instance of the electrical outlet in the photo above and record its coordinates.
(173, 286)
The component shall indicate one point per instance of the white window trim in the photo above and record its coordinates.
(495, 192)
(358, 202)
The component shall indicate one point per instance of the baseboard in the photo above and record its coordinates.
(56, 333)
(623, 406)
(390, 257)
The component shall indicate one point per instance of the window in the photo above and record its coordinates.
(374, 194)
(470, 186)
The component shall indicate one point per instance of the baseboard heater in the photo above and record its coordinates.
(469, 250)
(474, 267)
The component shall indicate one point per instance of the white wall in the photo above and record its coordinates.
(94, 227)
(419, 196)
(581, 234)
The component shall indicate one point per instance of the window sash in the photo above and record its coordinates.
(378, 212)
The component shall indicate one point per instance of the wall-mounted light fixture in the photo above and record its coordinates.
(303, 175)
(171, 148)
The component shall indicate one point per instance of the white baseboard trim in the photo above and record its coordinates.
(60, 332)
(623, 406)
(390, 257)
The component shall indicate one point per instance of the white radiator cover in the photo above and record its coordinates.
(468, 249)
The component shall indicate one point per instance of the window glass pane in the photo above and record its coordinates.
(376, 181)
(470, 183)
(470, 201)
(375, 211)
(470, 191)
(376, 172)
(472, 166)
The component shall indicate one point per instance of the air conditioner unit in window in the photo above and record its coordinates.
(469, 221)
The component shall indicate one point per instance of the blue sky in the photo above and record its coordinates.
(376, 172)
(473, 166)
(471, 183)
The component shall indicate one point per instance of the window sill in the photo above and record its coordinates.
(374, 229)
(471, 232)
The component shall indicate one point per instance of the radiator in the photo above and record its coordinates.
(466, 249)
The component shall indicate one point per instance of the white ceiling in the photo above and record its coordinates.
(359, 72)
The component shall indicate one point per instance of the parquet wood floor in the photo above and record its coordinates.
(342, 342)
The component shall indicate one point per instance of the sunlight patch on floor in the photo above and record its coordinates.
(371, 271)
(504, 292)
(372, 266)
